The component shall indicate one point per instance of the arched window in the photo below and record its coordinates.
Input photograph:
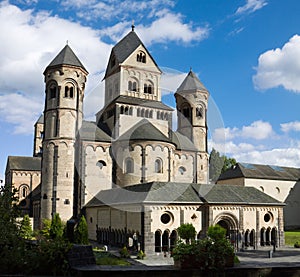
(141, 57)
(199, 111)
(69, 92)
(129, 85)
(132, 86)
(52, 91)
(129, 165)
(23, 191)
(101, 164)
(158, 166)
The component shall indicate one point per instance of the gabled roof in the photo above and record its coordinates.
(141, 102)
(123, 49)
(259, 171)
(66, 57)
(182, 142)
(144, 130)
(181, 193)
(23, 163)
(91, 132)
(191, 83)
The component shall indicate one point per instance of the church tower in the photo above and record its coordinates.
(65, 79)
(191, 103)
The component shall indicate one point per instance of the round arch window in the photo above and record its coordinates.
(166, 218)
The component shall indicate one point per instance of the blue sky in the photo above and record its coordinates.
(246, 53)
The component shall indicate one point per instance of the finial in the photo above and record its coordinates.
(67, 42)
(190, 69)
(132, 26)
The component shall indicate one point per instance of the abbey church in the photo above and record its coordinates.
(129, 172)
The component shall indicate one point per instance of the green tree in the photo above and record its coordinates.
(218, 164)
(45, 231)
(56, 228)
(81, 232)
(26, 228)
(187, 231)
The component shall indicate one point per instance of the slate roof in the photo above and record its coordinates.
(123, 49)
(91, 132)
(181, 193)
(66, 57)
(182, 142)
(141, 102)
(259, 171)
(144, 130)
(191, 83)
(23, 163)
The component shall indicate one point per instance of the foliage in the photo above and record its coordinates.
(124, 253)
(81, 232)
(297, 245)
(141, 255)
(218, 164)
(45, 231)
(26, 228)
(186, 231)
(212, 252)
(106, 258)
(48, 257)
(56, 227)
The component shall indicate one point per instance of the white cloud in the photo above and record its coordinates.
(20, 111)
(280, 67)
(251, 6)
(290, 126)
(170, 27)
(257, 130)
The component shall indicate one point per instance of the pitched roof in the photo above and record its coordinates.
(182, 142)
(144, 130)
(91, 132)
(123, 49)
(141, 102)
(40, 120)
(188, 193)
(259, 171)
(66, 57)
(23, 163)
(191, 83)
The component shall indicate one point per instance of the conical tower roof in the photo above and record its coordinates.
(66, 57)
(191, 83)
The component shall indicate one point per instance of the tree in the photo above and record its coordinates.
(187, 231)
(25, 228)
(56, 228)
(81, 232)
(218, 164)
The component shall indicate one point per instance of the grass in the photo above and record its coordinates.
(105, 258)
(291, 237)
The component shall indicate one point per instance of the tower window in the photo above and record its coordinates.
(132, 86)
(23, 191)
(101, 164)
(199, 112)
(182, 170)
(148, 88)
(158, 166)
(52, 91)
(141, 57)
(69, 92)
(129, 165)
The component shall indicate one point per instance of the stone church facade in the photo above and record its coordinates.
(128, 171)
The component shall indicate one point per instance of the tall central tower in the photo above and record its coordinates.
(65, 79)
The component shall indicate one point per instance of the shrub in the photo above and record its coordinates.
(81, 232)
(56, 228)
(187, 231)
(297, 245)
(124, 253)
(25, 228)
(141, 255)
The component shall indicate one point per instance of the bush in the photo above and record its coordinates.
(124, 253)
(81, 232)
(297, 245)
(56, 228)
(187, 231)
(25, 228)
(141, 255)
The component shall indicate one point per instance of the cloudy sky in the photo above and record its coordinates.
(246, 53)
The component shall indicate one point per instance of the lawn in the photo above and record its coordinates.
(105, 258)
(291, 237)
